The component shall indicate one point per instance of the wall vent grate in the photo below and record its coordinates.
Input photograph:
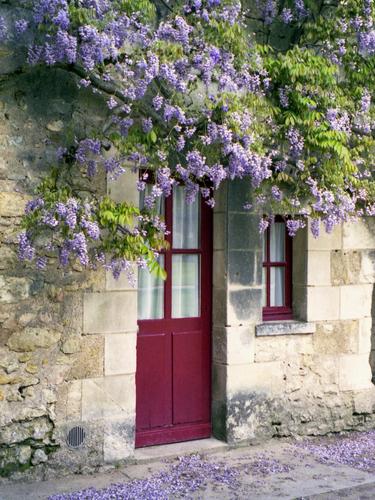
(76, 437)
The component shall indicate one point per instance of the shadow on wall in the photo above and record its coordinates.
(372, 352)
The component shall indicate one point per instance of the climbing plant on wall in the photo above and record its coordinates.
(276, 93)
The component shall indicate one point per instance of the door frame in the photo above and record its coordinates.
(188, 432)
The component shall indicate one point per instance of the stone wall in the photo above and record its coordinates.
(45, 355)
(68, 339)
(307, 376)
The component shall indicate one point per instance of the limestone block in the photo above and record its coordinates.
(325, 241)
(71, 345)
(124, 188)
(118, 440)
(120, 353)
(74, 400)
(233, 345)
(367, 271)
(39, 457)
(12, 204)
(277, 328)
(8, 360)
(219, 381)
(10, 379)
(221, 198)
(299, 344)
(318, 268)
(359, 235)
(364, 401)
(30, 339)
(355, 301)
(108, 397)
(244, 306)
(219, 269)
(346, 267)
(55, 126)
(323, 303)
(243, 231)
(300, 258)
(300, 302)
(270, 349)
(89, 362)
(16, 432)
(336, 337)
(7, 257)
(365, 333)
(110, 312)
(326, 367)
(219, 236)
(24, 454)
(219, 306)
(266, 377)
(14, 289)
(354, 372)
(122, 283)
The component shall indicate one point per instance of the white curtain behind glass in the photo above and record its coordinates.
(277, 274)
(185, 220)
(150, 294)
(150, 288)
(277, 254)
(185, 286)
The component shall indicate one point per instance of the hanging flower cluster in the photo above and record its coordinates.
(195, 98)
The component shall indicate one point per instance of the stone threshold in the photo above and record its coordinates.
(273, 328)
(200, 446)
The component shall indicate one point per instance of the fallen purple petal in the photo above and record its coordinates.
(356, 450)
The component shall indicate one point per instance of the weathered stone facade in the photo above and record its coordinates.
(68, 340)
(308, 376)
(43, 352)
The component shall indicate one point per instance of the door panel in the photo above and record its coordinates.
(189, 388)
(174, 338)
(155, 378)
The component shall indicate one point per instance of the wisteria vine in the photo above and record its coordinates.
(278, 93)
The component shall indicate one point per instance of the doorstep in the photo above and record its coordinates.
(201, 446)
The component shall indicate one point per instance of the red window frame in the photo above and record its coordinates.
(272, 313)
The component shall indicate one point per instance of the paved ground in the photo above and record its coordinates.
(322, 468)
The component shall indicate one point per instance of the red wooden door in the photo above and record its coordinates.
(174, 337)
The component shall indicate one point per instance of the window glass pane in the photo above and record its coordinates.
(150, 294)
(185, 220)
(264, 287)
(277, 288)
(277, 243)
(159, 205)
(185, 286)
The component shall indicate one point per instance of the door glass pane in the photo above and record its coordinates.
(277, 242)
(185, 286)
(277, 289)
(185, 220)
(159, 204)
(150, 294)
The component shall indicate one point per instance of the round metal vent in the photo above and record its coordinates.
(76, 437)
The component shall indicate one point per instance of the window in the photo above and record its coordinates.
(277, 272)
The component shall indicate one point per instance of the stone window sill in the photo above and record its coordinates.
(273, 328)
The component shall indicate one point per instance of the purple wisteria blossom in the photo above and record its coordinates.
(21, 26)
(195, 98)
(287, 15)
